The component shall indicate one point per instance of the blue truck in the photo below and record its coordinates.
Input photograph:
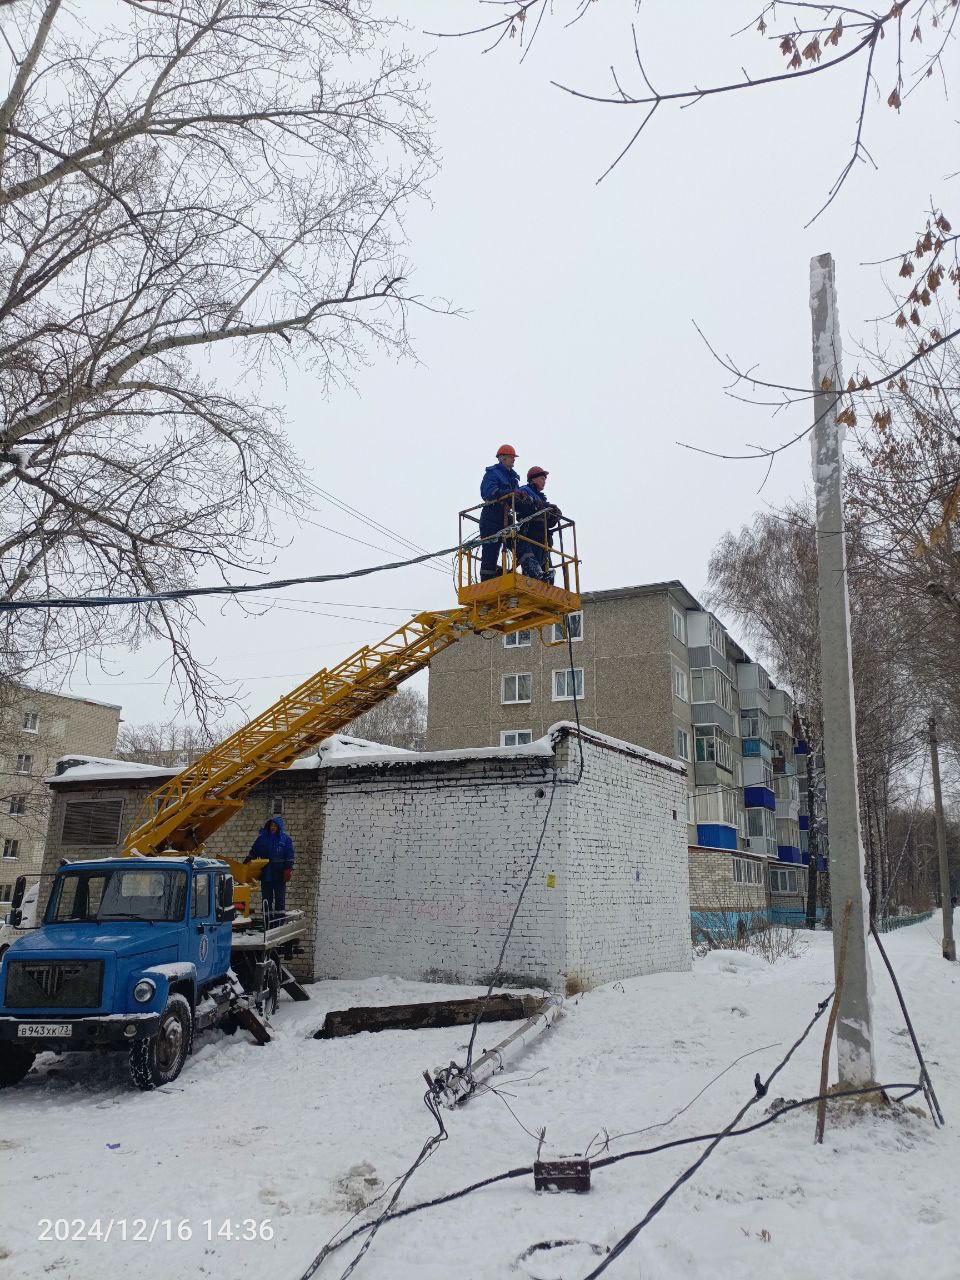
(137, 955)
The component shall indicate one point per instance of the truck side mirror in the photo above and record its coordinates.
(19, 889)
(14, 918)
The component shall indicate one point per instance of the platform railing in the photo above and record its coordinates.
(545, 534)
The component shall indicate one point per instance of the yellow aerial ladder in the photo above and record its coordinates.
(184, 812)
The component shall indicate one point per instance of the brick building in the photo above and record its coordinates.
(36, 729)
(652, 666)
(411, 863)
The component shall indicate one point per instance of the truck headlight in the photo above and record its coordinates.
(144, 990)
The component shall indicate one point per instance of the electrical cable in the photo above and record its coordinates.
(634, 1133)
(192, 593)
(603, 1162)
(426, 1151)
(533, 863)
(761, 1089)
(928, 1091)
(369, 521)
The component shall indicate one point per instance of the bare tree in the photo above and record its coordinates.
(766, 577)
(400, 721)
(207, 188)
(170, 744)
(895, 47)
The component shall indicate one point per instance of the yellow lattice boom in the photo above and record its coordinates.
(183, 813)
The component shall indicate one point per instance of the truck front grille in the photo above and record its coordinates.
(53, 984)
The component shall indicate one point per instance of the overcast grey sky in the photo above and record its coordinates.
(577, 344)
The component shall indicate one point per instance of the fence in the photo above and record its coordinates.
(719, 925)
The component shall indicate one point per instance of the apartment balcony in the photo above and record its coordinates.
(759, 798)
(782, 726)
(708, 773)
(713, 713)
(788, 811)
(757, 748)
(790, 853)
(763, 845)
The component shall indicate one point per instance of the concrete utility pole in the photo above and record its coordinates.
(946, 899)
(855, 1057)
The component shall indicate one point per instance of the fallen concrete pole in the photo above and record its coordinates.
(453, 1085)
(433, 1013)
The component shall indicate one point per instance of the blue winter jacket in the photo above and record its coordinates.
(497, 482)
(539, 531)
(277, 846)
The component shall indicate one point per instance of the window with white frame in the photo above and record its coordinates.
(24, 763)
(6, 892)
(680, 684)
(711, 685)
(783, 880)
(747, 872)
(716, 805)
(11, 848)
(17, 804)
(755, 724)
(517, 688)
(515, 737)
(713, 746)
(31, 722)
(518, 640)
(567, 683)
(683, 744)
(574, 627)
(679, 625)
(717, 640)
(763, 680)
(761, 824)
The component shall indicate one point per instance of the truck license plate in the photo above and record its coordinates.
(29, 1029)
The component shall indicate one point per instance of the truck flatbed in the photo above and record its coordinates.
(252, 936)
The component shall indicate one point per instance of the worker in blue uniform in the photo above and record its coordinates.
(498, 483)
(541, 516)
(274, 844)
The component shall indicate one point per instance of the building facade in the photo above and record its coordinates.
(652, 666)
(36, 729)
(411, 863)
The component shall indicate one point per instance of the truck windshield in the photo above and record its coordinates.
(119, 894)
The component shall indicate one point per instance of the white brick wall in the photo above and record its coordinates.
(422, 866)
(628, 894)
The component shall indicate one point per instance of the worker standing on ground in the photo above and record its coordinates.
(275, 845)
(498, 483)
(536, 540)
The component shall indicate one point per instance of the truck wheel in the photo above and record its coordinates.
(159, 1059)
(15, 1061)
(270, 995)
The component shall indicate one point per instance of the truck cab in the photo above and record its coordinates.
(132, 954)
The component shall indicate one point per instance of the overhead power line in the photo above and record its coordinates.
(192, 593)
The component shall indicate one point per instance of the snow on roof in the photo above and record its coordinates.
(81, 768)
(78, 768)
(343, 752)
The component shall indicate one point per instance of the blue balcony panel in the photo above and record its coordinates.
(804, 822)
(716, 835)
(788, 853)
(759, 798)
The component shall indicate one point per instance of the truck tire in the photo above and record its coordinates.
(159, 1059)
(15, 1061)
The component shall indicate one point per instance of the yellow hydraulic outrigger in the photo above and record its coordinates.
(180, 815)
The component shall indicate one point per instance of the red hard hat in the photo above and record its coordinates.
(534, 472)
(507, 448)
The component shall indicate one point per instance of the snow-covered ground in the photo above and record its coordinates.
(273, 1134)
